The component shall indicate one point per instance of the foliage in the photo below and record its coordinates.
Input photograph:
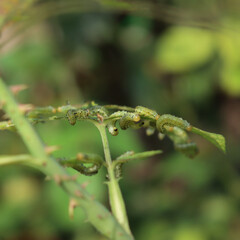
(127, 117)
(110, 53)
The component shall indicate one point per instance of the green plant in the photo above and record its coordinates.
(115, 225)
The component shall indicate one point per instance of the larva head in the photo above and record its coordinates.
(136, 118)
(71, 117)
(129, 120)
(111, 126)
(144, 123)
(171, 121)
(113, 130)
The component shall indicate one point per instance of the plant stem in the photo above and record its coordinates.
(115, 196)
(15, 159)
(96, 213)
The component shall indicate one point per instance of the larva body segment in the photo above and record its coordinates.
(118, 170)
(117, 115)
(172, 121)
(71, 116)
(119, 166)
(88, 171)
(95, 110)
(82, 114)
(146, 112)
(129, 120)
(74, 115)
(77, 163)
(181, 141)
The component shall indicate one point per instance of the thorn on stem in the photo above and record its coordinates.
(51, 149)
(68, 178)
(72, 205)
(57, 178)
(85, 184)
(74, 178)
(120, 234)
(24, 108)
(44, 164)
(78, 193)
(15, 89)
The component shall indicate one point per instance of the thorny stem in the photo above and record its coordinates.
(96, 213)
(115, 196)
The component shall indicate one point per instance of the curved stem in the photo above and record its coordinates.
(115, 196)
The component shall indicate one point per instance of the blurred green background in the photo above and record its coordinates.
(168, 59)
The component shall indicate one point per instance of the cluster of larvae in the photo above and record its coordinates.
(111, 116)
(140, 117)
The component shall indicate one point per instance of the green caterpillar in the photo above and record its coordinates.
(118, 170)
(181, 141)
(77, 163)
(95, 112)
(117, 115)
(71, 116)
(74, 115)
(146, 112)
(130, 120)
(172, 121)
(189, 149)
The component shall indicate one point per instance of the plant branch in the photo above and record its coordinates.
(96, 213)
(115, 196)
(15, 159)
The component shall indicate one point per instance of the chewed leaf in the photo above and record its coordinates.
(217, 139)
(139, 155)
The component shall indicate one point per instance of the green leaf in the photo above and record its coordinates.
(178, 49)
(229, 51)
(131, 155)
(217, 139)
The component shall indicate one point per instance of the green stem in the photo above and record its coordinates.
(15, 159)
(115, 196)
(96, 213)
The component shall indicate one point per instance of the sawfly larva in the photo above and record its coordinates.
(171, 121)
(129, 120)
